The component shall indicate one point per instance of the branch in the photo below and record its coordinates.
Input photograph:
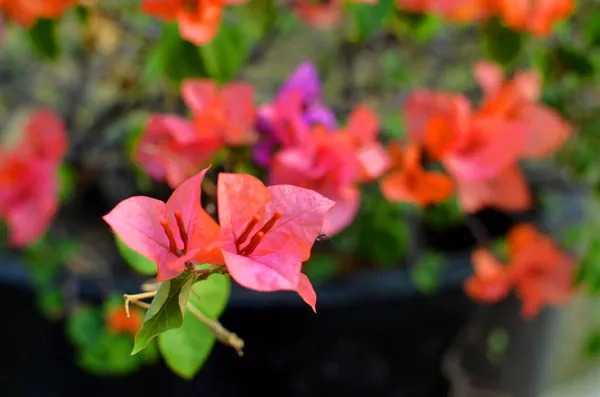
(223, 335)
(136, 298)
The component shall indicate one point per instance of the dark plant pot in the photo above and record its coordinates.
(374, 333)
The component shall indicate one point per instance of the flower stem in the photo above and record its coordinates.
(136, 298)
(222, 334)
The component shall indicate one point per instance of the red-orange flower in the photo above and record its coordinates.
(409, 182)
(540, 273)
(362, 130)
(198, 20)
(518, 100)
(490, 281)
(452, 10)
(29, 178)
(27, 12)
(536, 16)
(118, 322)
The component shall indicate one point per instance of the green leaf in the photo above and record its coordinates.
(502, 44)
(166, 310)
(85, 326)
(426, 273)
(137, 261)
(174, 58)
(320, 267)
(226, 54)
(43, 40)
(66, 175)
(368, 19)
(109, 355)
(211, 295)
(497, 343)
(50, 301)
(592, 343)
(186, 349)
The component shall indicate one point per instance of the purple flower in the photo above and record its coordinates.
(297, 107)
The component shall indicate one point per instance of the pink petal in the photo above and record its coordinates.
(548, 131)
(489, 76)
(30, 216)
(422, 105)
(363, 124)
(508, 191)
(240, 197)
(303, 212)
(503, 146)
(307, 292)
(136, 221)
(199, 93)
(347, 203)
(180, 129)
(46, 134)
(374, 160)
(270, 272)
(238, 102)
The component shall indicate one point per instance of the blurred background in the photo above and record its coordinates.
(392, 316)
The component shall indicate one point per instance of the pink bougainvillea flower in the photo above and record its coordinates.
(29, 179)
(491, 281)
(226, 112)
(507, 191)
(199, 21)
(536, 16)
(27, 12)
(327, 163)
(297, 107)
(267, 232)
(471, 146)
(171, 150)
(542, 273)
(518, 100)
(363, 129)
(437, 120)
(147, 226)
(409, 182)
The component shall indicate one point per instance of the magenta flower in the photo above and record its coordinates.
(297, 107)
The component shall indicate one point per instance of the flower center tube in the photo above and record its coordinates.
(171, 237)
(258, 236)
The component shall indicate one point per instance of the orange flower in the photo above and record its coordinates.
(452, 10)
(27, 12)
(117, 321)
(537, 16)
(542, 273)
(506, 191)
(490, 281)
(539, 272)
(198, 20)
(409, 182)
(517, 100)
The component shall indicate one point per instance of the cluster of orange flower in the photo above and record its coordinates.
(536, 16)
(479, 148)
(537, 270)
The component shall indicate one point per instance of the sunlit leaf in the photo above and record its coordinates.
(166, 310)
(186, 349)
